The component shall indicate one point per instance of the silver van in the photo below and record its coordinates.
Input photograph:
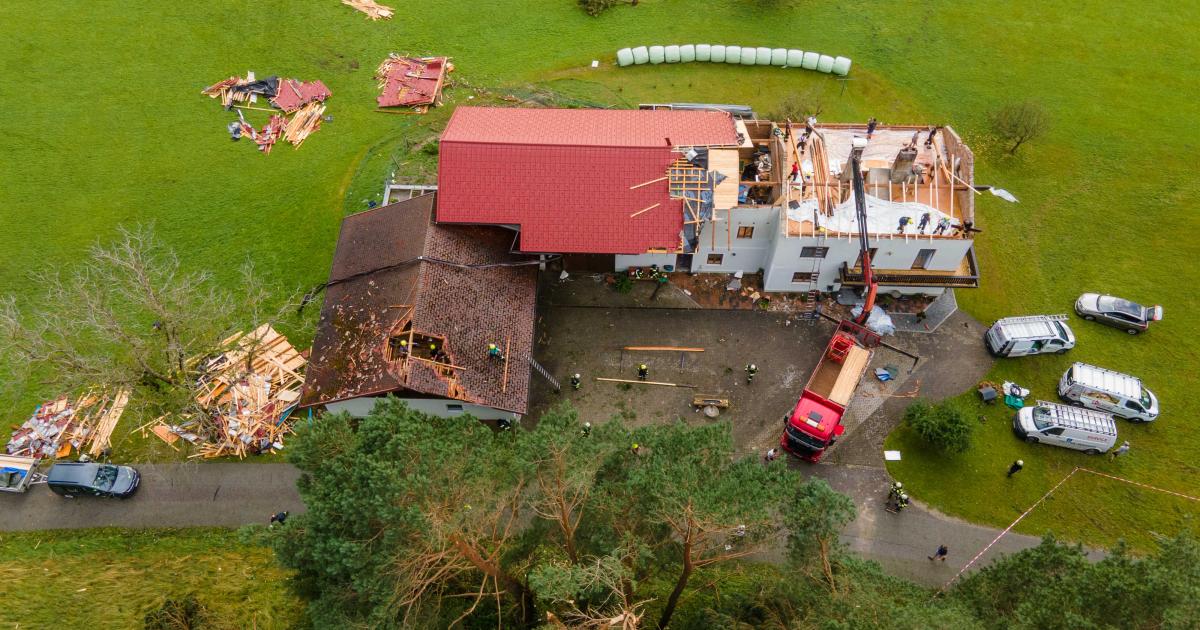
(1070, 427)
(1031, 334)
(1105, 390)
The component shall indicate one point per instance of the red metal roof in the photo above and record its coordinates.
(565, 175)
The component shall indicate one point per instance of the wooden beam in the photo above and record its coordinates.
(662, 348)
(507, 345)
(455, 367)
(623, 380)
(653, 181)
(644, 210)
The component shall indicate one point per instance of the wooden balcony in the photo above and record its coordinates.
(966, 276)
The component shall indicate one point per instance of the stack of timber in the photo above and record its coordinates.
(296, 107)
(371, 8)
(412, 82)
(61, 426)
(246, 395)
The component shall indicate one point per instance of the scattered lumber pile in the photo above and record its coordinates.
(245, 397)
(371, 8)
(412, 82)
(59, 426)
(302, 101)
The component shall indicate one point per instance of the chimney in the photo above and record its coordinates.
(902, 167)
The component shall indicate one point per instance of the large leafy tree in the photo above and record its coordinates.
(814, 517)
(406, 512)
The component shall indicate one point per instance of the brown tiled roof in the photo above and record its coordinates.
(376, 277)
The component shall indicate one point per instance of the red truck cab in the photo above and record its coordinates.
(816, 420)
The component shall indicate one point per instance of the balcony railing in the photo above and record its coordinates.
(966, 276)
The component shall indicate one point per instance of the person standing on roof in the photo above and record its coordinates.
(929, 141)
(871, 124)
(751, 370)
(403, 349)
(493, 351)
(923, 223)
(643, 372)
(904, 221)
(943, 224)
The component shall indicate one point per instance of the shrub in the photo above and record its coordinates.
(623, 284)
(944, 426)
(1018, 123)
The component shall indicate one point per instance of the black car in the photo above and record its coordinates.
(1129, 316)
(72, 479)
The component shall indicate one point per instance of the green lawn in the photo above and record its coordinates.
(104, 125)
(111, 578)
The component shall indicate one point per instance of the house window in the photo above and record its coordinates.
(813, 252)
(454, 407)
(923, 258)
(804, 277)
(745, 231)
(716, 259)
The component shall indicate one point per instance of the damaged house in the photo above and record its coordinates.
(410, 310)
(701, 191)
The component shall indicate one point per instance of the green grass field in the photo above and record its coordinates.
(104, 125)
(112, 578)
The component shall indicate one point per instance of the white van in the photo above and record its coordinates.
(1070, 427)
(1105, 390)
(1032, 334)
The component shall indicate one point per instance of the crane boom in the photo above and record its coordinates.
(864, 239)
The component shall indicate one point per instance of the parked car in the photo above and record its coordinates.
(72, 479)
(1131, 317)
(1084, 430)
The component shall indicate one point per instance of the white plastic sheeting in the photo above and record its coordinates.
(883, 216)
(878, 321)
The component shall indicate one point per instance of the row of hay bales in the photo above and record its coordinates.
(744, 55)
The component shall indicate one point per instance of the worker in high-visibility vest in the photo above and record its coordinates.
(575, 382)
(643, 372)
(493, 351)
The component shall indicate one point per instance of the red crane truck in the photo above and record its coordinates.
(816, 421)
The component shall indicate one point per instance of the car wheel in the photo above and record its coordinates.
(1092, 451)
(1089, 318)
(1076, 403)
(1061, 351)
(1132, 331)
(1030, 439)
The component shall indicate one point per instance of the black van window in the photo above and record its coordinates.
(1054, 431)
(106, 476)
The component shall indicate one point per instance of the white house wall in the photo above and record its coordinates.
(442, 407)
(892, 254)
(624, 262)
(737, 254)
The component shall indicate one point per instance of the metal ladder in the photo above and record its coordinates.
(813, 297)
(545, 374)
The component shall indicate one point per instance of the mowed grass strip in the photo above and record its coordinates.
(111, 578)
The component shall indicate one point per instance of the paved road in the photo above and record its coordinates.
(171, 495)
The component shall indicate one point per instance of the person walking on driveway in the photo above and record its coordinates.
(1015, 468)
(940, 554)
(643, 372)
(751, 370)
(1121, 450)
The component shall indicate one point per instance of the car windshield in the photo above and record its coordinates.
(106, 477)
(1109, 303)
(1041, 418)
(1146, 398)
(805, 439)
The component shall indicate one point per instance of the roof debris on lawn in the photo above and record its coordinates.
(302, 100)
(373, 10)
(59, 426)
(414, 82)
(246, 396)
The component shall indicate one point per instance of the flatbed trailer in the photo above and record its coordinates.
(17, 473)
